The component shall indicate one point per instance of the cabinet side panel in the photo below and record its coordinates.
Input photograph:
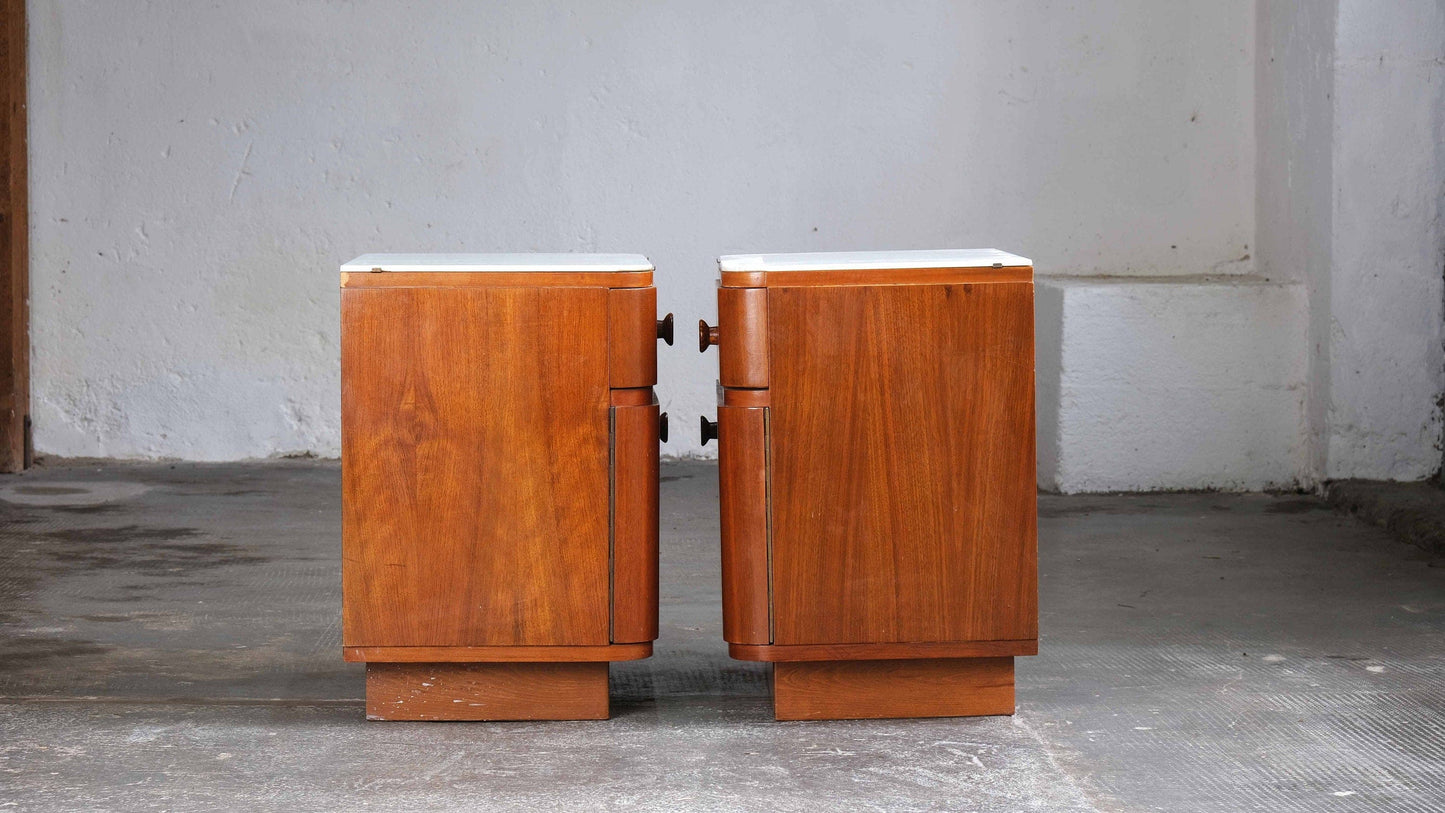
(634, 523)
(632, 337)
(743, 503)
(904, 505)
(474, 466)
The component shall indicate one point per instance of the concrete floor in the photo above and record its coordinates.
(169, 639)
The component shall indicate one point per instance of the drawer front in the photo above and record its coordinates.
(742, 315)
(631, 337)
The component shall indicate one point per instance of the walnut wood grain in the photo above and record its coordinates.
(744, 398)
(851, 690)
(632, 336)
(14, 242)
(742, 279)
(475, 483)
(496, 654)
(634, 521)
(874, 276)
(902, 459)
(743, 349)
(877, 652)
(743, 511)
(497, 279)
(639, 396)
(486, 691)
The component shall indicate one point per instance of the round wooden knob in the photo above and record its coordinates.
(706, 336)
(662, 420)
(664, 329)
(709, 430)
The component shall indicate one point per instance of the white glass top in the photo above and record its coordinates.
(511, 263)
(868, 260)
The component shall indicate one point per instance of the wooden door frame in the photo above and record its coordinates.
(15, 451)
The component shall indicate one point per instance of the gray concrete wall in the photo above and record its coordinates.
(1387, 259)
(1267, 177)
(1170, 383)
(1351, 112)
(1295, 118)
(200, 170)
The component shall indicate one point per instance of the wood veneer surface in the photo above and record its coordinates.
(881, 652)
(848, 690)
(632, 336)
(496, 654)
(475, 466)
(743, 515)
(634, 523)
(902, 457)
(743, 349)
(486, 691)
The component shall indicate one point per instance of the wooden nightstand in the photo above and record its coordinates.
(499, 480)
(876, 445)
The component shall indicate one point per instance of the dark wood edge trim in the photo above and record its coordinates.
(496, 279)
(15, 449)
(496, 654)
(880, 652)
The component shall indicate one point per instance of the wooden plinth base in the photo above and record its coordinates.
(486, 691)
(939, 687)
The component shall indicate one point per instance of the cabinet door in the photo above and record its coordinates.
(902, 441)
(634, 522)
(475, 466)
(743, 514)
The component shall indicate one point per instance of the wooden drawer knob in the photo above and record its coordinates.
(664, 329)
(709, 430)
(706, 336)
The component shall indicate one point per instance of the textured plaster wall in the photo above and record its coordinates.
(1387, 370)
(1351, 177)
(200, 170)
(1170, 383)
(1295, 117)
(1327, 363)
